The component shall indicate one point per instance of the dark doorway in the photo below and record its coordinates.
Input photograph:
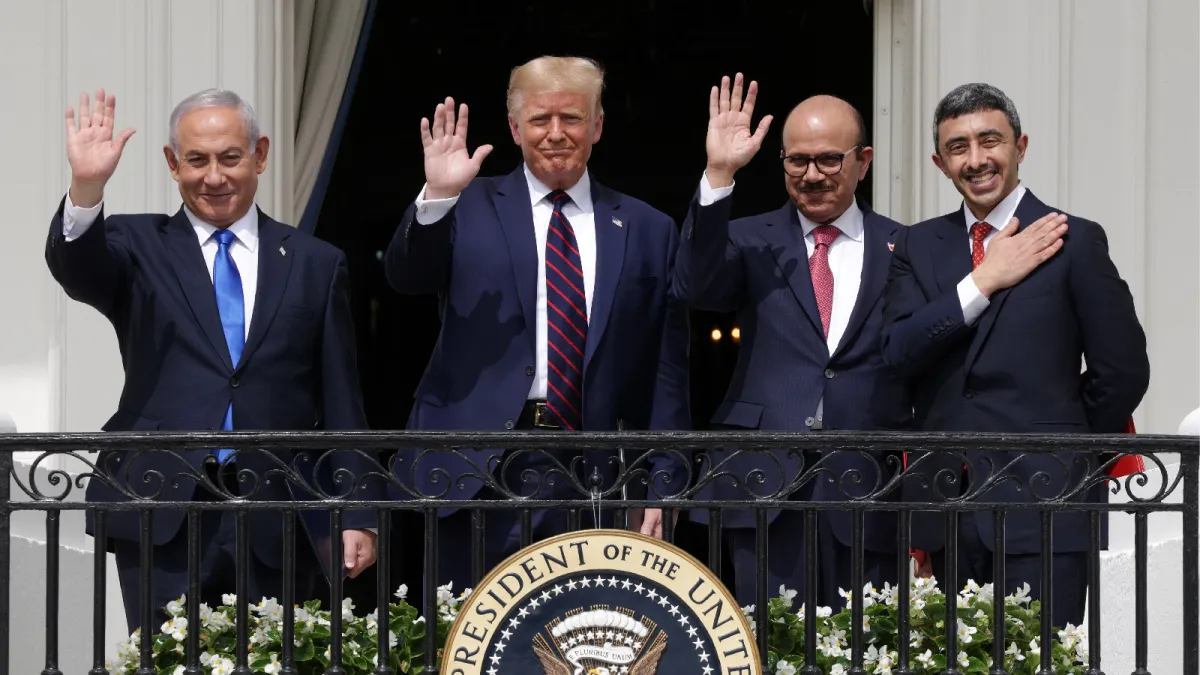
(661, 59)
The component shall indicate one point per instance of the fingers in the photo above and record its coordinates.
(713, 108)
(123, 138)
(85, 117)
(723, 101)
(1010, 229)
(98, 109)
(438, 128)
(449, 128)
(481, 154)
(426, 137)
(735, 100)
(110, 110)
(761, 132)
(460, 129)
(751, 97)
(70, 122)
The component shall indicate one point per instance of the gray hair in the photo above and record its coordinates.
(970, 98)
(215, 98)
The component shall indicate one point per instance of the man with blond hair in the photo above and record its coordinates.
(557, 311)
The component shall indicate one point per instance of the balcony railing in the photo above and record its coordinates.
(612, 471)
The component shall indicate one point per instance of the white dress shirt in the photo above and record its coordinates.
(972, 301)
(582, 216)
(76, 222)
(845, 261)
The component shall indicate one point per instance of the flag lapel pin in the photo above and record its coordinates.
(891, 246)
(617, 221)
(282, 251)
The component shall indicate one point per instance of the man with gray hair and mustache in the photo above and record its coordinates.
(226, 320)
(989, 313)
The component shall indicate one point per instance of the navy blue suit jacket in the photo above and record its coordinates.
(146, 274)
(1017, 370)
(481, 260)
(758, 266)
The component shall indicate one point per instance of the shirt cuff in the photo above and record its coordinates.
(430, 211)
(77, 220)
(972, 301)
(709, 194)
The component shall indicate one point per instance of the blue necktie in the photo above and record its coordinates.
(232, 307)
(566, 319)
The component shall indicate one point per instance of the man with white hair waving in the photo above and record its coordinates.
(226, 320)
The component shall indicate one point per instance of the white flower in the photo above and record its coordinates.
(222, 666)
(963, 660)
(402, 592)
(788, 597)
(926, 659)
(1021, 597)
(824, 612)
(176, 628)
(1034, 649)
(347, 609)
(965, 632)
(837, 669)
(274, 666)
(444, 596)
(179, 670)
(869, 595)
(176, 607)
(269, 608)
(229, 600)
(748, 610)
(1013, 650)
(783, 667)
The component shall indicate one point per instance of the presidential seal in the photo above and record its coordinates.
(600, 602)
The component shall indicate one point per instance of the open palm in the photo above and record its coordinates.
(448, 165)
(730, 143)
(92, 149)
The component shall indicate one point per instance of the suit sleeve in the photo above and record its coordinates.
(417, 260)
(672, 405)
(94, 268)
(1114, 343)
(342, 396)
(917, 328)
(709, 272)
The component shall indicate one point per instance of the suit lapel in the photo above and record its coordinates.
(516, 219)
(951, 253)
(1028, 211)
(195, 282)
(785, 237)
(273, 271)
(877, 257)
(610, 260)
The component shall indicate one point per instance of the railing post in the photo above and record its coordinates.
(6, 465)
(1190, 466)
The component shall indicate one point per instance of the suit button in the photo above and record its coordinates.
(969, 394)
(809, 421)
(510, 425)
(829, 373)
(529, 370)
(235, 382)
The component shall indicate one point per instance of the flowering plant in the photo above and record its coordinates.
(785, 643)
(311, 654)
(927, 634)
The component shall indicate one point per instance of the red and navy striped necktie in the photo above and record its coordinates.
(566, 319)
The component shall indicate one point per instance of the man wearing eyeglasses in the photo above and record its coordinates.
(806, 282)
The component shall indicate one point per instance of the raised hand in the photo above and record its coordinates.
(1011, 256)
(91, 148)
(448, 165)
(730, 143)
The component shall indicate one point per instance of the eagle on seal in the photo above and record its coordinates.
(646, 665)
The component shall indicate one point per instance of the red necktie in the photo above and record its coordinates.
(822, 276)
(566, 319)
(979, 232)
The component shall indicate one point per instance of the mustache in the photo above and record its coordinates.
(822, 186)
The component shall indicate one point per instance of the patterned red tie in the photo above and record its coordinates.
(566, 319)
(979, 232)
(822, 276)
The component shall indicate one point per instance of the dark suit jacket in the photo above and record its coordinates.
(1018, 369)
(146, 274)
(758, 266)
(481, 260)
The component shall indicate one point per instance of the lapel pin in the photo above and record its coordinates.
(617, 221)
(891, 246)
(282, 251)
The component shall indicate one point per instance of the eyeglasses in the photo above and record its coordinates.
(828, 163)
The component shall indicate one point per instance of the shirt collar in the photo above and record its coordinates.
(850, 222)
(1001, 213)
(580, 193)
(244, 228)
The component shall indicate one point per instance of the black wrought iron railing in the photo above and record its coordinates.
(618, 475)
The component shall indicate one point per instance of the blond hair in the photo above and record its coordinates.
(547, 74)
